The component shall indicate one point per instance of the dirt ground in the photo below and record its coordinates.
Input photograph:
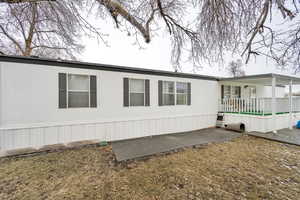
(246, 168)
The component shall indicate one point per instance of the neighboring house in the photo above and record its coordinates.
(45, 101)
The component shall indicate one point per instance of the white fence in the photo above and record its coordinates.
(259, 106)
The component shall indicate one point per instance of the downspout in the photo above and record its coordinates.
(274, 103)
(290, 105)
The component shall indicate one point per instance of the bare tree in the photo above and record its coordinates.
(235, 69)
(43, 28)
(216, 27)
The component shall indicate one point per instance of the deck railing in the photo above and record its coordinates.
(257, 106)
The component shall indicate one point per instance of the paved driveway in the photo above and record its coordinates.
(141, 147)
(285, 136)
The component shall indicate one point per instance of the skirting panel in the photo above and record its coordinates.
(36, 137)
(262, 124)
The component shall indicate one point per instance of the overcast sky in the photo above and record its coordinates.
(156, 54)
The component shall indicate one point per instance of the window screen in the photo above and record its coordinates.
(168, 93)
(78, 91)
(181, 93)
(136, 92)
(78, 99)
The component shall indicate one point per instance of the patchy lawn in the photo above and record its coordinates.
(246, 168)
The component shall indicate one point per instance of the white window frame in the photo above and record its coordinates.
(175, 93)
(129, 91)
(185, 93)
(89, 89)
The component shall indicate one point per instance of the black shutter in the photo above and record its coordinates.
(189, 94)
(93, 91)
(147, 92)
(222, 91)
(62, 90)
(160, 95)
(126, 92)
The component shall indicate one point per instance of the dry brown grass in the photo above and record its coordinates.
(247, 168)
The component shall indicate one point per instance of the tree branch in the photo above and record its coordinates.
(117, 8)
(11, 39)
(259, 25)
(22, 1)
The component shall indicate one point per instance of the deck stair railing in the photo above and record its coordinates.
(257, 106)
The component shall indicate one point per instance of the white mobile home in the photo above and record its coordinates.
(45, 101)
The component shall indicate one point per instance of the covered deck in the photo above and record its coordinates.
(263, 106)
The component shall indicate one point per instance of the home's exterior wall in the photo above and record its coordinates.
(31, 117)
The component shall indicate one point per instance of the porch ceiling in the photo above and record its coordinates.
(264, 79)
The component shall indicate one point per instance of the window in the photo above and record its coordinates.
(236, 92)
(231, 91)
(181, 93)
(77, 91)
(136, 92)
(227, 91)
(171, 93)
(168, 93)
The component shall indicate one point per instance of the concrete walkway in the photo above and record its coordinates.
(141, 147)
(285, 136)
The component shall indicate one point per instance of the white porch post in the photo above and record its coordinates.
(290, 105)
(274, 104)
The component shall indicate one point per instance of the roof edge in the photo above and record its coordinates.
(267, 75)
(97, 66)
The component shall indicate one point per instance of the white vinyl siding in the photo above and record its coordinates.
(40, 121)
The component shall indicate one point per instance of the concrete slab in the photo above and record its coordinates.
(285, 136)
(141, 147)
